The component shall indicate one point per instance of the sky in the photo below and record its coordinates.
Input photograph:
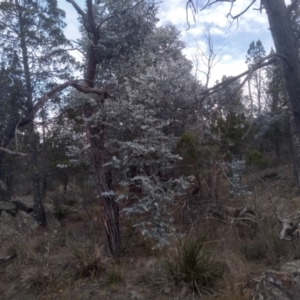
(231, 41)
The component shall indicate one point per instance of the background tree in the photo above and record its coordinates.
(32, 31)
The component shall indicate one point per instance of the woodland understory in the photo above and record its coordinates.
(164, 186)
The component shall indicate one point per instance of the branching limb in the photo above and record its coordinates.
(13, 153)
(241, 13)
(265, 61)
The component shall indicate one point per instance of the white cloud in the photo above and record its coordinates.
(231, 40)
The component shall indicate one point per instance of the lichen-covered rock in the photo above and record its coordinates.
(52, 222)
(292, 267)
(7, 223)
(275, 285)
(8, 207)
(25, 222)
(24, 203)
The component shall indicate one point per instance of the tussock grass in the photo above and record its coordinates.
(114, 275)
(38, 277)
(90, 261)
(190, 263)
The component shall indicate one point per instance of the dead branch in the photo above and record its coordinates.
(6, 259)
(13, 153)
(241, 13)
(290, 227)
(244, 216)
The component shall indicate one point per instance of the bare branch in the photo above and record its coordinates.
(265, 61)
(241, 13)
(13, 153)
(41, 101)
(88, 90)
(78, 9)
(190, 4)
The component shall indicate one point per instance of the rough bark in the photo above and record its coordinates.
(109, 208)
(286, 47)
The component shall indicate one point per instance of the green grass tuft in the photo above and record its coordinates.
(191, 263)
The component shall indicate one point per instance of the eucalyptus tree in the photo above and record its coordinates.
(112, 31)
(32, 30)
(143, 125)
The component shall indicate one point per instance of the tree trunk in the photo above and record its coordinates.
(37, 199)
(109, 208)
(286, 47)
(38, 206)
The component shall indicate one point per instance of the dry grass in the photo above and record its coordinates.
(73, 264)
(89, 261)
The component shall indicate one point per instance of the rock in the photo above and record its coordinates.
(25, 222)
(275, 285)
(292, 267)
(52, 222)
(26, 201)
(21, 206)
(49, 207)
(136, 296)
(8, 207)
(7, 223)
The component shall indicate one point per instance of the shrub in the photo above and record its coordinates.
(256, 159)
(61, 212)
(191, 263)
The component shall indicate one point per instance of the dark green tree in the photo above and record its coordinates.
(255, 53)
(32, 31)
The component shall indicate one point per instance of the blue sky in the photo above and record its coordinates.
(231, 43)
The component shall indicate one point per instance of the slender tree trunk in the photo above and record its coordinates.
(38, 206)
(286, 47)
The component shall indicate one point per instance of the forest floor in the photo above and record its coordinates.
(71, 262)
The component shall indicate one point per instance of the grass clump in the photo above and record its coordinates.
(61, 212)
(37, 277)
(114, 275)
(191, 264)
(90, 261)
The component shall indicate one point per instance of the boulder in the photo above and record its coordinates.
(8, 207)
(52, 222)
(25, 222)
(277, 285)
(292, 267)
(7, 223)
(24, 204)
(21, 206)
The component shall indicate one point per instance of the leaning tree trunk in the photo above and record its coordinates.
(109, 207)
(286, 48)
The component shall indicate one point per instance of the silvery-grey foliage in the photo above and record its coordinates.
(149, 79)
